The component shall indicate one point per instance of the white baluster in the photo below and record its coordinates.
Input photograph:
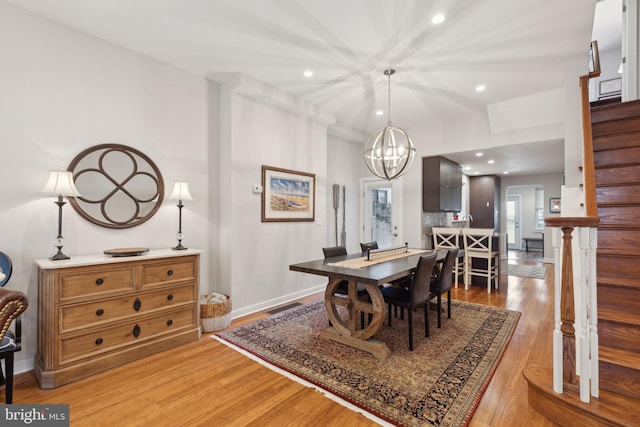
(556, 240)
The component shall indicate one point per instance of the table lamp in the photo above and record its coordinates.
(60, 184)
(180, 192)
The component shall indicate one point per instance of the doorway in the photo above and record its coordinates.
(381, 212)
(513, 222)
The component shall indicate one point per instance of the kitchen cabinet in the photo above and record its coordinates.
(484, 201)
(441, 185)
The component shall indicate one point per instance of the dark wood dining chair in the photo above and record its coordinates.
(441, 284)
(12, 304)
(416, 295)
(369, 246)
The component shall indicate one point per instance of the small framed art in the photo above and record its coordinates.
(287, 195)
(554, 205)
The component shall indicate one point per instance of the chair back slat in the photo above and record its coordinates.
(478, 239)
(445, 238)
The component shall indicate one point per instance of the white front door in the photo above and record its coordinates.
(513, 222)
(381, 212)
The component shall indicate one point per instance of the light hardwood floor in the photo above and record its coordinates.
(206, 383)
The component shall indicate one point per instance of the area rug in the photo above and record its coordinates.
(523, 270)
(438, 384)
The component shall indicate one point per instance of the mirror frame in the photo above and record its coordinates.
(105, 221)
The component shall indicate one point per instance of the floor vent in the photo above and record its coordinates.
(284, 307)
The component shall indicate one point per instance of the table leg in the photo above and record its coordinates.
(346, 331)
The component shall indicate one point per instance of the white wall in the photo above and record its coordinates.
(343, 161)
(255, 256)
(62, 92)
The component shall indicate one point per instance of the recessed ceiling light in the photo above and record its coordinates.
(308, 73)
(467, 168)
(491, 161)
(438, 19)
(379, 113)
(476, 173)
(506, 172)
(478, 154)
(480, 88)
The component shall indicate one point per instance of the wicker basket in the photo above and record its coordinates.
(215, 316)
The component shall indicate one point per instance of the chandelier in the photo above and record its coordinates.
(389, 151)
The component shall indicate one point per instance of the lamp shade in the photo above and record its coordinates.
(180, 191)
(60, 183)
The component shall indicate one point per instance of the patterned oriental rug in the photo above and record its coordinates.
(440, 383)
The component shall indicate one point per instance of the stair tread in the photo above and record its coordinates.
(618, 251)
(609, 408)
(617, 315)
(625, 282)
(616, 356)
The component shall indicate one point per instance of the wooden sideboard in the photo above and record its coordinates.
(97, 312)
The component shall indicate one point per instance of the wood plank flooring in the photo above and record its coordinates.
(205, 383)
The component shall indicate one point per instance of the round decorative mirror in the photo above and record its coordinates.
(121, 187)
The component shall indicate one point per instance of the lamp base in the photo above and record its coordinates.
(179, 247)
(59, 256)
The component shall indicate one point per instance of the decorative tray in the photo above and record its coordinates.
(126, 251)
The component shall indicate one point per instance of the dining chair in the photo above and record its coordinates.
(441, 284)
(447, 238)
(478, 244)
(416, 295)
(12, 304)
(343, 287)
(368, 246)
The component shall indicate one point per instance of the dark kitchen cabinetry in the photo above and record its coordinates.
(441, 185)
(484, 201)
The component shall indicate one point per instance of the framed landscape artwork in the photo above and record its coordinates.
(287, 195)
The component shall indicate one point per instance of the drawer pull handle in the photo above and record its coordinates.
(99, 312)
(136, 331)
(99, 282)
(99, 341)
(170, 273)
(169, 322)
(137, 304)
(170, 297)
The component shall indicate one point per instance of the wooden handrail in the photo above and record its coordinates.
(588, 168)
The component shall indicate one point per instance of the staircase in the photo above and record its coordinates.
(616, 156)
(616, 147)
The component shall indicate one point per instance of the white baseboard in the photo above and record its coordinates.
(236, 313)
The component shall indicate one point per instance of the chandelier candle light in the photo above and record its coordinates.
(180, 193)
(60, 184)
(389, 151)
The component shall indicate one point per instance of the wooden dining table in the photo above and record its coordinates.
(348, 330)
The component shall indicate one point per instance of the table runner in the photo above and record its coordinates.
(362, 261)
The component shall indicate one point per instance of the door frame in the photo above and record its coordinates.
(517, 242)
(396, 207)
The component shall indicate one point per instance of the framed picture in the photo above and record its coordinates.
(287, 195)
(611, 87)
(554, 205)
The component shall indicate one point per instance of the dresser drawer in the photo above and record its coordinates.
(89, 314)
(129, 333)
(172, 271)
(86, 283)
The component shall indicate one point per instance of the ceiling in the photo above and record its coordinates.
(514, 48)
